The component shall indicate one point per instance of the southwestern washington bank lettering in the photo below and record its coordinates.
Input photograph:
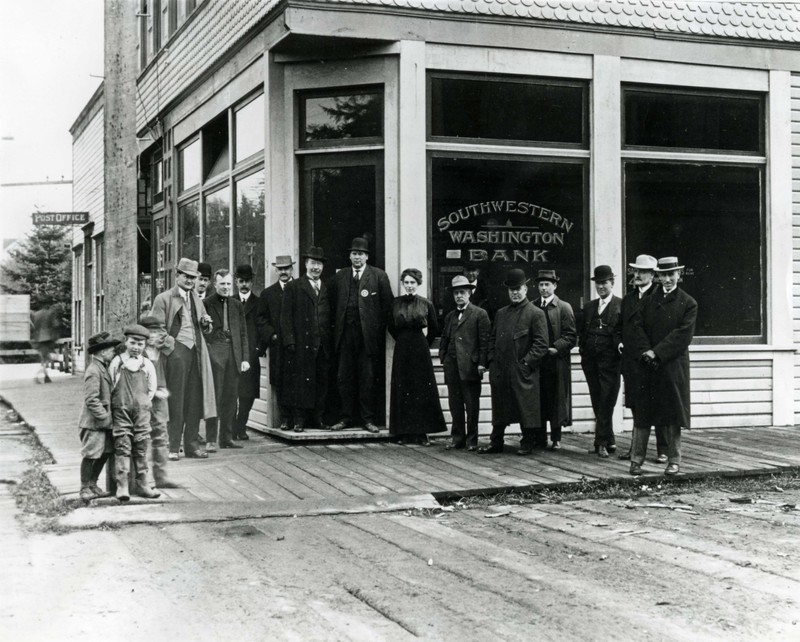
(504, 207)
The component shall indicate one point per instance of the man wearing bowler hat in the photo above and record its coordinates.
(664, 328)
(273, 301)
(517, 345)
(190, 379)
(634, 373)
(203, 281)
(463, 352)
(363, 298)
(305, 334)
(255, 322)
(555, 377)
(599, 338)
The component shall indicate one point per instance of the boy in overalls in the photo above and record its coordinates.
(134, 382)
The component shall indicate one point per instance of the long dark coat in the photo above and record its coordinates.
(254, 313)
(273, 300)
(470, 337)
(565, 337)
(236, 326)
(374, 306)
(665, 324)
(633, 372)
(519, 335)
(305, 333)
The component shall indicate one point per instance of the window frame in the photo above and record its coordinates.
(334, 92)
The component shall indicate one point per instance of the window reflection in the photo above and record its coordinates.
(343, 117)
(189, 217)
(190, 165)
(217, 229)
(250, 220)
(250, 128)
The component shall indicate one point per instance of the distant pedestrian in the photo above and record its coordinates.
(414, 407)
(133, 386)
(664, 330)
(97, 442)
(273, 302)
(600, 335)
(464, 354)
(45, 331)
(555, 376)
(517, 345)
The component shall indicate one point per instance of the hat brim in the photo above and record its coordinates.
(283, 265)
(603, 278)
(515, 285)
(188, 272)
(358, 249)
(554, 279)
(316, 258)
(669, 269)
(464, 286)
(641, 267)
(102, 346)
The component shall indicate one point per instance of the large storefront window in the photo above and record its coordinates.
(249, 235)
(217, 228)
(708, 213)
(189, 217)
(500, 214)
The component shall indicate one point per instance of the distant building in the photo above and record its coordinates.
(527, 134)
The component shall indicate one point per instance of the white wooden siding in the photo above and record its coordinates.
(795, 97)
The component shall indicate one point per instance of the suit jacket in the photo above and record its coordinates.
(236, 326)
(633, 372)
(565, 337)
(166, 306)
(255, 321)
(606, 331)
(470, 337)
(96, 413)
(273, 301)
(374, 305)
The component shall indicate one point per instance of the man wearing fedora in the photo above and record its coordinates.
(190, 379)
(517, 345)
(463, 352)
(363, 298)
(664, 328)
(555, 377)
(203, 281)
(255, 321)
(634, 373)
(273, 301)
(305, 334)
(599, 339)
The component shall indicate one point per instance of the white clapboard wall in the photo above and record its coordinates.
(796, 236)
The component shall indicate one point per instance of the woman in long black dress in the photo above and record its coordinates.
(414, 410)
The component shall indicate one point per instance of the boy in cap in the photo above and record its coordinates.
(159, 346)
(95, 420)
(134, 384)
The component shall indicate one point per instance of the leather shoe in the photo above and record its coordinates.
(661, 459)
(196, 454)
(672, 469)
(612, 448)
(211, 447)
(371, 427)
(340, 425)
(472, 449)
(624, 456)
(299, 428)
(284, 425)
(636, 469)
(525, 450)
(454, 447)
(602, 452)
(490, 450)
(244, 436)
(173, 456)
(230, 444)
(556, 445)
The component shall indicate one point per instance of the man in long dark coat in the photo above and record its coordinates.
(250, 381)
(305, 333)
(363, 305)
(228, 351)
(599, 339)
(664, 329)
(517, 344)
(273, 301)
(555, 376)
(634, 373)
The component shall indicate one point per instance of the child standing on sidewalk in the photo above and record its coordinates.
(97, 443)
(134, 385)
(159, 345)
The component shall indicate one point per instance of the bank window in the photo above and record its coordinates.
(216, 153)
(508, 109)
(250, 221)
(216, 228)
(189, 159)
(249, 126)
(353, 116)
(189, 217)
(698, 120)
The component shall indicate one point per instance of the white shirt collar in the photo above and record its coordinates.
(244, 296)
(672, 290)
(549, 300)
(646, 288)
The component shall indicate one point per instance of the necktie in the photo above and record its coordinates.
(460, 313)
(225, 314)
(602, 306)
(315, 283)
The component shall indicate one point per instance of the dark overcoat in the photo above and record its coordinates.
(665, 324)
(565, 337)
(236, 326)
(470, 337)
(633, 372)
(273, 300)
(517, 344)
(96, 411)
(374, 306)
(305, 333)
(254, 316)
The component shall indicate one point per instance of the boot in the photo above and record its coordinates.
(142, 487)
(160, 459)
(86, 494)
(122, 466)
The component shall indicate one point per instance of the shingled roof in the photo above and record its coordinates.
(760, 21)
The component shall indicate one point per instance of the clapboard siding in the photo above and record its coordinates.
(795, 98)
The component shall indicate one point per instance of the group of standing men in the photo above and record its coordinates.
(644, 336)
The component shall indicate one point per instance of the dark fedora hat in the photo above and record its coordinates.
(244, 271)
(603, 273)
(101, 341)
(359, 244)
(547, 275)
(204, 269)
(316, 253)
(515, 278)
